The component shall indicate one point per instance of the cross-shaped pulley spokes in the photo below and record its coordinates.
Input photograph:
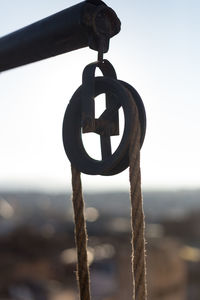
(80, 118)
(107, 124)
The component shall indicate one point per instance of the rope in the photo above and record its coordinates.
(80, 236)
(137, 215)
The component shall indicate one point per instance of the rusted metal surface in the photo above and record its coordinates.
(82, 25)
(79, 118)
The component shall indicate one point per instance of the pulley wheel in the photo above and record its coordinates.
(72, 132)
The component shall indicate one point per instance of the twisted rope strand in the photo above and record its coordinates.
(137, 214)
(80, 236)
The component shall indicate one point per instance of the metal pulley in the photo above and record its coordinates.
(80, 118)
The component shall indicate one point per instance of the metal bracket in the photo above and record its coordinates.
(82, 25)
(89, 123)
(102, 23)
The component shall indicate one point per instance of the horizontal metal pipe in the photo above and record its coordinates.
(73, 28)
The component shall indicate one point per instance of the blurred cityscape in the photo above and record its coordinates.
(38, 255)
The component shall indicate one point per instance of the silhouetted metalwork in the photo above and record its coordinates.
(80, 118)
(89, 23)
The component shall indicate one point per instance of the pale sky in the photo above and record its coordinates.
(157, 51)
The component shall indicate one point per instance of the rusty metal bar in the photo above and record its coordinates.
(85, 24)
